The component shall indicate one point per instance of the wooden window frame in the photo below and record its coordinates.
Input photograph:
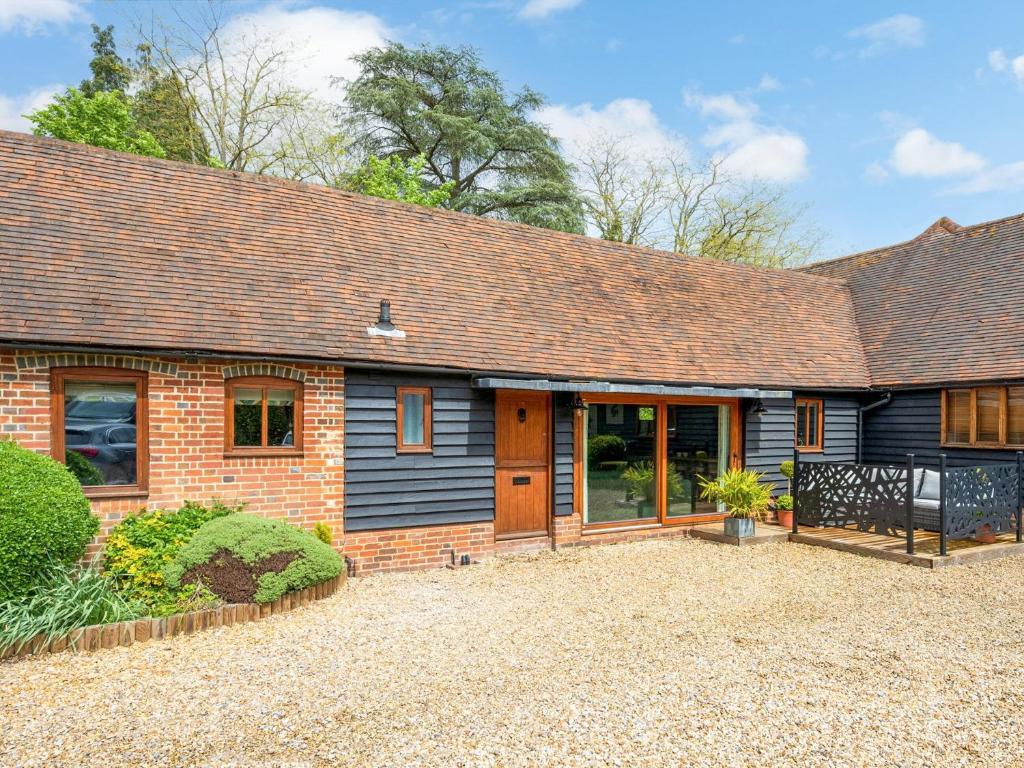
(265, 383)
(58, 378)
(818, 447)
(661, 519)
(427, 446)
(973, 442)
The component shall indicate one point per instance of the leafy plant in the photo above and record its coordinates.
(44, 517)
(602, 448)
(740, 490)
(142, 545)
(224, 542)
(786, 469)
(323, 532)
(784, 502)
(641, 479)
(80, 467)
(394, 178)
(64, 597)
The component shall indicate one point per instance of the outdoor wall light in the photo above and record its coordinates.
(758, 408)
(577, 403)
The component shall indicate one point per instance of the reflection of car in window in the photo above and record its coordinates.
(288, 439)
(111, 448)
(107, 410)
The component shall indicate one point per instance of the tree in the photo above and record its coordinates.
(442, 104)
(236, 87)
(103, 120)
(163, 107)
(698, 210)
(396, 179)
(109, 72)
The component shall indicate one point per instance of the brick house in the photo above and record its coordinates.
(196, 334)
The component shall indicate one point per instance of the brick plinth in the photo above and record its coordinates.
(409, 549)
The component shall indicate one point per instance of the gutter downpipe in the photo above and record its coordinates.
(886, 399)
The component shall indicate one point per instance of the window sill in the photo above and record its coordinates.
(263, 454)
(400, 451)
(811, 450)
(114, 492)
(985, 446)
(591, 530)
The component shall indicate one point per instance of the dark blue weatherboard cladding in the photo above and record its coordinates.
(563, 456)
(911, 424)
(770, 437)
(454, 484)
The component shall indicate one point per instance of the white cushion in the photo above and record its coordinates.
(929, 486)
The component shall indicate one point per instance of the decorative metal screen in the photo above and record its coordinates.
(976, 496)
(871, 498)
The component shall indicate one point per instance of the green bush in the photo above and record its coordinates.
(62, 598)
(323, 532)
(81, 468)
(142, 545)
(243, 556)
(601, 448)
(44, 517)
(786, 469)
(784, 502)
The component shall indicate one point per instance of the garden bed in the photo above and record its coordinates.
(141, 630)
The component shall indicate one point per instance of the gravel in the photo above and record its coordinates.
(675, 652)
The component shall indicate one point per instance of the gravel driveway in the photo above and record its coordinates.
(655, 653)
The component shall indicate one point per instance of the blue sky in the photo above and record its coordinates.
(880, 117)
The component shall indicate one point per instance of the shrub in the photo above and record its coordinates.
(63, 598)
(80, 467)
(323, 532)
(741, 490)
(44, 517)
(142, 545)
(784, 502)
(601, 448)
(244, 558)
(786, 469)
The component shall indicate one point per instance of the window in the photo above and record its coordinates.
(989, 417)
(810, 424)
(263, 417)
(415, 418)
(100, 428)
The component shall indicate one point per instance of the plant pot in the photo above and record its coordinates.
(984, 534)
(739, 527)
(785, 517)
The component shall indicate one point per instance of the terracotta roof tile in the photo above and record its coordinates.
(102, 248)
(947, 306)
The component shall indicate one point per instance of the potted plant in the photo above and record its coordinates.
(744, 496)
(784, 510)
(983, 533)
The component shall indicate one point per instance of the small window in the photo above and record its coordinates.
(263, 416)
(415, 415)
(99, 428)
(809, 424)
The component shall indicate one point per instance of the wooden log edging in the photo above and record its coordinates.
(125, 633)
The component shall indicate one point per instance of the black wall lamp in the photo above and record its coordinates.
(577, 403)
(758, 408)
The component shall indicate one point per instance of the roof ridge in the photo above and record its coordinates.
(144, 160)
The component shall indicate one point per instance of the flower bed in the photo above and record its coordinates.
(141, 630)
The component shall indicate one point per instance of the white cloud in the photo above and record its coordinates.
(899, 31)
(323, 41)
(769, 83)
(1001, 178)
(739, 39)
(746, 146)
(32, 15)
(919, 153)
(632, 119)
(541, 9)
(13, 107)
(876, 172)
(998, 61)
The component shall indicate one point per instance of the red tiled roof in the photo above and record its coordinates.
(102, 248)
(947, 306)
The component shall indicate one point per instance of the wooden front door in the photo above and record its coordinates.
(522, 486)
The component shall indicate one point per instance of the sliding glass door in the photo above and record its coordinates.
(697, 447)
(642, 461)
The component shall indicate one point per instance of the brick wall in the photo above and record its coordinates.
(408, 549)
(186, 436)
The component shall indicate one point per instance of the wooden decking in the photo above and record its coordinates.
(926, 545)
